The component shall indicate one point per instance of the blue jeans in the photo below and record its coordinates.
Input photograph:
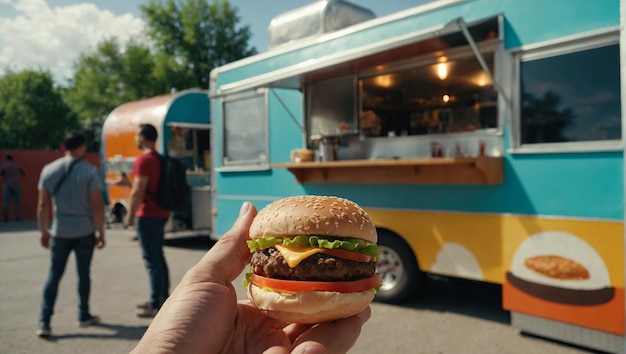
(60, 249)
(8, 193)
(150, 232)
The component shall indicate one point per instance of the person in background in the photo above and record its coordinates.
(204, 316)
(150, 219)
(10, 172)
(370, 123)
(75, 188)
(121, 181)
(107, 208)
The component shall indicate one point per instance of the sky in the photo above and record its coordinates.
(51, 34)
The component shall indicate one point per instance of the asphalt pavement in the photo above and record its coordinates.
(448, 317)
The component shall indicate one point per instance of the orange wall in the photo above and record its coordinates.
(32, 162)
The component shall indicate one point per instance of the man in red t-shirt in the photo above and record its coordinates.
(149, 219)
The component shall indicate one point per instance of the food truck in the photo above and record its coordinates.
(182, 121)
(484, 138)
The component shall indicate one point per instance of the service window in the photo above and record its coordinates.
(439, 85)
(445, 94)
(245, 131)
(190, 143)
(569, 97)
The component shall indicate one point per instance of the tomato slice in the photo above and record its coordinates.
(337, 286)
(349, 255)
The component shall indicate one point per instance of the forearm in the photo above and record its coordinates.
(98, 219)
(43, 214)
(137, 194)
(136, 198)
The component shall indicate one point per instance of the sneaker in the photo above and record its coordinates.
(43, 330)
(89, 321)
(147, 312)
(143, 305)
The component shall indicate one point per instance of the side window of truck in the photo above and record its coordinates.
(569, 97)
(245, 131)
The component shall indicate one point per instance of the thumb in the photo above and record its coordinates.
(337, 336)
(228, 257)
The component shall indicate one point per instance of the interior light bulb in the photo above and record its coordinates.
(442, 71)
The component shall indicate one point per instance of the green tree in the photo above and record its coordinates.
(109, 77)
(194, 36)
(33, 114)
(187, 39)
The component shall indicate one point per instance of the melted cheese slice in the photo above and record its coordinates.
(295, 255)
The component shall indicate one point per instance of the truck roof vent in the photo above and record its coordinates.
(315, 19)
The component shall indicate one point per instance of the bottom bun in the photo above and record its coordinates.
(309, 306)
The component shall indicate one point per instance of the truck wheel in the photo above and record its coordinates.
(120, 213)
(398, 268)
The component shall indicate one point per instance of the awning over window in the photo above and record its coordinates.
(449, 35)
(198, 126)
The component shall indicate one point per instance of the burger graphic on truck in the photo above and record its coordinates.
(562, 268)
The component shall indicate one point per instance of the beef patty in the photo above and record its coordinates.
(270, 263)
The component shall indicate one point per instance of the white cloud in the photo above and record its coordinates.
(41, 37)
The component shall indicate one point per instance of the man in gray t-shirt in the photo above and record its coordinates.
(70, 188)
(73, 212)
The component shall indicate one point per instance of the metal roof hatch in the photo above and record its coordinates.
(315, 19)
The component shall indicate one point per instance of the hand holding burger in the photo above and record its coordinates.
(203, 316)
(314, 259)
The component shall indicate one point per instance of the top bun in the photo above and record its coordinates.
(313, 215)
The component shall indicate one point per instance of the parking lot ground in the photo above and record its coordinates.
(448, 317)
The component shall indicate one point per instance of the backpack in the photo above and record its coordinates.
(174, 193)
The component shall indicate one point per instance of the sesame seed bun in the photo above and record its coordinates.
(313, 215)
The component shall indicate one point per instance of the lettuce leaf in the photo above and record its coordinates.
(348, 244)
(246, 278)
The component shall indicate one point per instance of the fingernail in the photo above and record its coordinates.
(244, 208)
(309, 348)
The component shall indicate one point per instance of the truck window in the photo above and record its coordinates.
(191, 145)
(570, 96)
(331, 107)
(447, 96)
(245, 143)
(433, 93)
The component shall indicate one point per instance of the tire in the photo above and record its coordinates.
(398, 267)
(119, 212)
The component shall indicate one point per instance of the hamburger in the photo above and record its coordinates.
(314, 259)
